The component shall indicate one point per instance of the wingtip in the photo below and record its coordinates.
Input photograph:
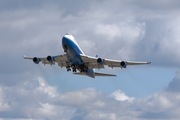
(24, 56)
(149, 62)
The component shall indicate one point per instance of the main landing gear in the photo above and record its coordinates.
(83, 68)
(74, 68)
(69, 68)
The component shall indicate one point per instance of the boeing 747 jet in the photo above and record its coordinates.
(74, 59)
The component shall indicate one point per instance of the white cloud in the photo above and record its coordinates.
(120, 96)
(33, 103)
(96, 115)
(99, 103)
(122, 31)
(3, 104)
(110, 31)
(47, 109)
(80, 97)
(51, 91)
(85, 104)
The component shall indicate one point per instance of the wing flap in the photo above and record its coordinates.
(88, 59)
(91, 61)
(108, 62)
(61, 58)
(95, 65)
(114, 65)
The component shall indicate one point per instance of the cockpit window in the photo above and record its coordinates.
(71, 37)
(68, 34)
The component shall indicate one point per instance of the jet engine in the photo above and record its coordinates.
(100, 61)
(36, 60)
(50, 59)
(123, 64)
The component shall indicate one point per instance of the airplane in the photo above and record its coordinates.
(75, 59)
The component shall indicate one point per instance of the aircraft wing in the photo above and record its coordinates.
(92, 62)
(60, 59)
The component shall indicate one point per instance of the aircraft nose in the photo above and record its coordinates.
(65, 41)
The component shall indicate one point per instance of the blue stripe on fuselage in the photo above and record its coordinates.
(74, 50)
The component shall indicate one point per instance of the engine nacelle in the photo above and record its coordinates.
(123, 64)
(36, 60)
(50, 59)
(100, 61)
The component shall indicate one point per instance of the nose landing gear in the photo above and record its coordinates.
(65, 48)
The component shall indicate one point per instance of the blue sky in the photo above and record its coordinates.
(134, 81)
(122, 30)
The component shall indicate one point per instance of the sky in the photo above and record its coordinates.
(132, 30)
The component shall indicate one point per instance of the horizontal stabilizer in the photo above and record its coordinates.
(96, 74)
(103, 74)
(79, 73)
